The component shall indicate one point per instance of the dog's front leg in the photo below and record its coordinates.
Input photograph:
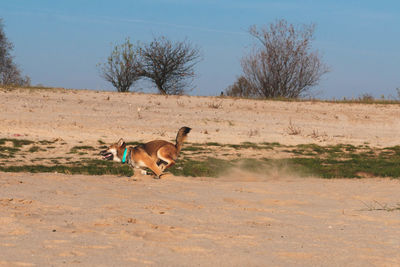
(137, 170)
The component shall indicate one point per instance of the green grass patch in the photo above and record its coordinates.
(8, 152)
(77, 149)
(394, 150)
(47, 142)
(16, 142)
(356, 167)
(243, 145)
(89, 167)
(332, 152)
(352, 167)
(213, 144)
(251, 145)
(34, 149)
(83, 148)
(334, 161)
(133, 143)
(193, 148)
(210, 167)
(247, 145)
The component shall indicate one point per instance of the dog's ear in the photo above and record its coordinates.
(121, 142)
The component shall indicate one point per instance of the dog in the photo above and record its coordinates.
(157, 155)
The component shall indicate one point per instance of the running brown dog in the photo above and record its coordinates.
(157, 155)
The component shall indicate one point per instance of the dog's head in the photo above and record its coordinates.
(115, 151)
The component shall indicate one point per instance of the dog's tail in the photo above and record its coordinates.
(181, 136)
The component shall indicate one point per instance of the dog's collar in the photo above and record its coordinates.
(124, 157)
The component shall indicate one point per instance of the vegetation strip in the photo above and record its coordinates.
(333, 161)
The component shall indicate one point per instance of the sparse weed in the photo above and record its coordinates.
(161, 132)
(377, 206)
(215, 105)
(292, 129)
(35, 149)
(139, 115)
(254, 132)
(76, 149)
(316, 134)
(180, 103)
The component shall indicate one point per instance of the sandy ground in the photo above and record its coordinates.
(240, 219)
(89, 115)
(50, 219)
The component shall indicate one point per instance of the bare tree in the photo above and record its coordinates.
(283, 65)
(241, 88)
(9, 71)
(169, 65)
(11, 75)
(123, 66)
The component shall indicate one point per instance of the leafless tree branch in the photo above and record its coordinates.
(10, 74)
(169, 65)
(123, 66)
(282, 65)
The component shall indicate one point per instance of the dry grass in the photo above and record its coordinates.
(293, 129)
(254, 132)
(316, 134)
(377, 206)
(161, 132)
(215, 105)
(180, 104)
(139, 115)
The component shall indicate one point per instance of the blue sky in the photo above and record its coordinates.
(59, 43)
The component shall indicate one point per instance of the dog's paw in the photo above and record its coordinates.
(163, 175)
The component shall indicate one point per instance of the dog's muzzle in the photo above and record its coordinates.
(107, 155)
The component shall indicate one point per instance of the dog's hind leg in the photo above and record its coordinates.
(171, 163)
(147, 161)
(167, 157)
(161, 164)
